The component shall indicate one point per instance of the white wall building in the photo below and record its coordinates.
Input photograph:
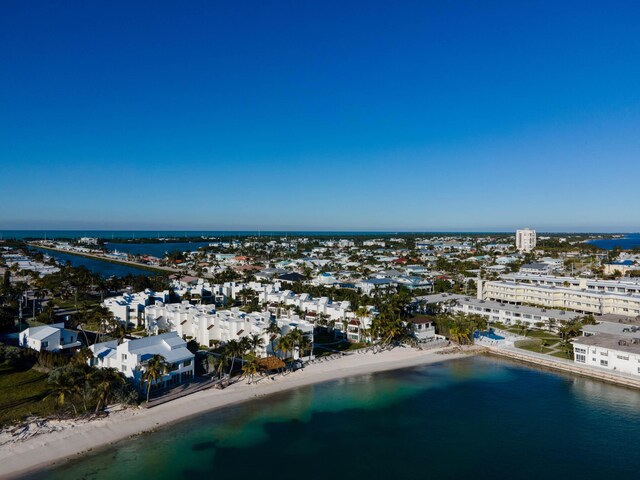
(525, 239)
(52, 338)
(598, 297)
(130, 357)
(207, 325)
(611, 352)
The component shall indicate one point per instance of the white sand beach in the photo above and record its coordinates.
(57, 442)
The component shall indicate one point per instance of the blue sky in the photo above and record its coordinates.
(332, 115)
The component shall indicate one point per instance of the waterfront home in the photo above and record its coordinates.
(423, 328)
(130, 357)
(52, 338)
(611, 352)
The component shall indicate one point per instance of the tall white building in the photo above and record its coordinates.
(525, 239)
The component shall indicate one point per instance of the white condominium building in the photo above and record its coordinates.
(578, 294)
(131, 356)
(525, 239)
(207, 325)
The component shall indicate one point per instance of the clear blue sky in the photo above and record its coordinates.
(410, 115)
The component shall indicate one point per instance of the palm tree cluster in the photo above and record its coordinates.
(77, 384)
(460, 327)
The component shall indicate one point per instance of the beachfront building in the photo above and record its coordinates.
(209, 326)
(52, 338)
(130, 357)
(608, 351)
(525, 240)
(577, 294)
(424, 328)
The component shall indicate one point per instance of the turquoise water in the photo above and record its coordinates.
(470, 418)
(628, 242)
(105, 269)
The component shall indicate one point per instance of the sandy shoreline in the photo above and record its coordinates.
(47, 449)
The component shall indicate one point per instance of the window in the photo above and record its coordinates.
(604, 363)
(580, 350)
(622, 357)
(581, 358)
(187, 363)
(124, 357)
(123, 368)
(45, 344)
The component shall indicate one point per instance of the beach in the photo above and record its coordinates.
(64, 440)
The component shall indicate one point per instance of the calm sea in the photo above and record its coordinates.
(133, 234)
(105, 269)
(628, 242)
(479, 418)
(156, 249)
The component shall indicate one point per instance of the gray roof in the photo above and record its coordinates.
(611, 342)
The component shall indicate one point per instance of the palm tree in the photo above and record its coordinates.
(273, 330)
(105, 380)
(305, 344)
(64, 386)
(257, 342)
(153, 371)
(250, 368)
(233, 349)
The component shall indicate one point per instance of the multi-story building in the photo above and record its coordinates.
(130, 357)
(525, 239)
(578, 294)
(207, 326)
(612, 352)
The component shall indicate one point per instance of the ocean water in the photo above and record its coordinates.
(628, 242)
(133, 234)
(156, 249)
(105, 269)
(480, 418)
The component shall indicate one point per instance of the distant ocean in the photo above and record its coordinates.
(136, 234)
(628, 242)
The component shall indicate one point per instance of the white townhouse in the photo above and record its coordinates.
(52, 338)
(129, 307)
(130, 357)
(611, 352)
(208, 326)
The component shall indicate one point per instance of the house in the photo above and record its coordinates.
(423, 328)
(52, 338)
(130, 357)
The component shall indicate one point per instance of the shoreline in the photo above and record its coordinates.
(125, 263)
(50, 449)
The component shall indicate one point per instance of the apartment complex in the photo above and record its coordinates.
(525, 240)
(597, 297)
(208, 326)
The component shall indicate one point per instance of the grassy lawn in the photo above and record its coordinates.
(562, 354)
(543, 334)
(532, 347)
(21, 392)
